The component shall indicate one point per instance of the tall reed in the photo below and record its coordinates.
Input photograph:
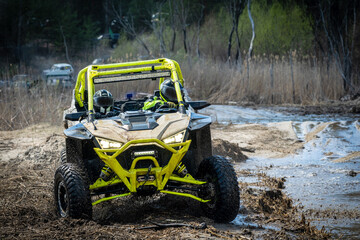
(260, 80)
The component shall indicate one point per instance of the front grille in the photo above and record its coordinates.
(126, 158)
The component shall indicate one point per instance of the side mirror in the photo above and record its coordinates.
(75, 116)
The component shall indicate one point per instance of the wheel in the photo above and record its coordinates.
(63, 156)
(222, 188)
(71, 192)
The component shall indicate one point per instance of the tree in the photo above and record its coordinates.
(157, 24)
(235, 8)
(127, 24)
(173, 24)
(340, 29)
(182, 12)
(253, 29)
(252, 39)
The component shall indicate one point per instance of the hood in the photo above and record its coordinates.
(135, 125)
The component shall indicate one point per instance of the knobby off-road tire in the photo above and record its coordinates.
(222, 189)
(71, 192)
(63, 156)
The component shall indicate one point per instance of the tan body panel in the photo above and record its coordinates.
(169, 124)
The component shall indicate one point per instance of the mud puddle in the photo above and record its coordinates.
(227, 114)
(322, 176)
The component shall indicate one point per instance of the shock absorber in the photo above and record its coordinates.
(106, 173)
(181, 170)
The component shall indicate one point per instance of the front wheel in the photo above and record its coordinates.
(221, 188)
(71, 192)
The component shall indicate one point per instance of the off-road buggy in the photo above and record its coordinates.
(140, 152)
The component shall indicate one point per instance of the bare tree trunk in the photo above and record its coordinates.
(173, 41)
(252, 40)
(292, 77)
(238, 51)
(183, 15)
(198, 29)
(229, 44)
(272, 80)
(128, 25)
(18, 50)
(354, 30)
(353, 39)
(157, 24)
(338, 49)
(184, 41)
(235, 8)
(253, 30)
(173, 26)
(65, 45)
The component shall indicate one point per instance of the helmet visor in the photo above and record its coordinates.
(169, 93)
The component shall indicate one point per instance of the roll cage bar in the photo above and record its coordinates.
(128, 71)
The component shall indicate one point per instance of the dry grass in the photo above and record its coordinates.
(262, 80)
(221, 83)
(21, 107)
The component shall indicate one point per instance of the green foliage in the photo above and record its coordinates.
(89, 30)
(66, 25)
(126, 50)
(278, 28)
(215, 34)
(78, 32)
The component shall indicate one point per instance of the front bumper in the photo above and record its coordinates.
(161, 174)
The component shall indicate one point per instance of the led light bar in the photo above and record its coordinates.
(144, 153)
(131, 77)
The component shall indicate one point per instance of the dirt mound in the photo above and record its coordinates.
(228, 149)
(274, 140)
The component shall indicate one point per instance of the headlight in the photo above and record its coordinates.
(106, 144)
(176, 138)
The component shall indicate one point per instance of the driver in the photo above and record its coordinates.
(166, 99)
(104, 104)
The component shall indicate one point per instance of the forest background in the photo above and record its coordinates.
(243, 51)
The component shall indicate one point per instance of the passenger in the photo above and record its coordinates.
(104, 104)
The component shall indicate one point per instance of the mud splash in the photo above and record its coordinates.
(330, 187)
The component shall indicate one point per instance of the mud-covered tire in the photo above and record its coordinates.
(63, 159)
(71, 192)
(222, 188)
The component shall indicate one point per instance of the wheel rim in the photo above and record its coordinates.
(62, 199)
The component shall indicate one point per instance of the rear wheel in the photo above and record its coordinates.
(222, 188)
(71, 192)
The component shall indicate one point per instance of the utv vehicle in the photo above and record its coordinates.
(140, 152)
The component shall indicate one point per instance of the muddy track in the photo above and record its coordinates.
(27, 165)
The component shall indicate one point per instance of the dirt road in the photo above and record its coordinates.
(29, 157)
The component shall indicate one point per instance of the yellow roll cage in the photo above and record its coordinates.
(129, 71)
(148, 69)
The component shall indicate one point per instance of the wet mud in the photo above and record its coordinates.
(27, 165)
(317, 154)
